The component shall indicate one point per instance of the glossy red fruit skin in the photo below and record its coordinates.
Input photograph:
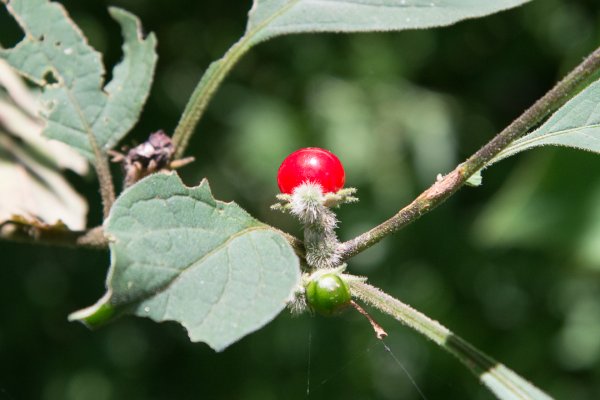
(311, 164)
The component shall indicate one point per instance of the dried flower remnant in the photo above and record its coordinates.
(149, 157)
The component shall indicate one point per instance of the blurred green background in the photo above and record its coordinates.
(512, 266)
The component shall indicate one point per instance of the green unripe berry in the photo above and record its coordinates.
(327, 294)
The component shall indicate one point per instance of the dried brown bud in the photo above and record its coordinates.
(155, 153)
(146, 158)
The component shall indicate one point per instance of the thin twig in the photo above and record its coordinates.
(449, 184)
(23, 233)
(107, 187)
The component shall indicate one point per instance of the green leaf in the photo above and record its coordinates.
(475, 180)
(270, 18)
(178, 254)
(576, 124)
(55, 55)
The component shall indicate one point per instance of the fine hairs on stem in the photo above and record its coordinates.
(312, 208)
(320, 240)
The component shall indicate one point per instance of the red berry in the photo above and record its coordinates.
(313, 165)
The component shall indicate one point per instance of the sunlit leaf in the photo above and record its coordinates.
(178, 254)
(55, 55)
(32, 188)
(270, 18)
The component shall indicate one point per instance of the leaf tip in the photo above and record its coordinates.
(117, 12)
(127, 19)
(95, 315)
(204, 182)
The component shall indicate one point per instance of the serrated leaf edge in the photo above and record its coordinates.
(91, 316)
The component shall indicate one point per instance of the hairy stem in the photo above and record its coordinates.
(404, 313)
(321, 242)
(107, 187)
(503, 382)
(449, 184)
(202, 94)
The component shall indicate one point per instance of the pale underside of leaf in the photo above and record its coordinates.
(17, 91)
(31, 184)
(270, 18)
(79, 111)
(31, 188)
(178, 254)
(500, 380)
(507, 385)
(18, 115)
